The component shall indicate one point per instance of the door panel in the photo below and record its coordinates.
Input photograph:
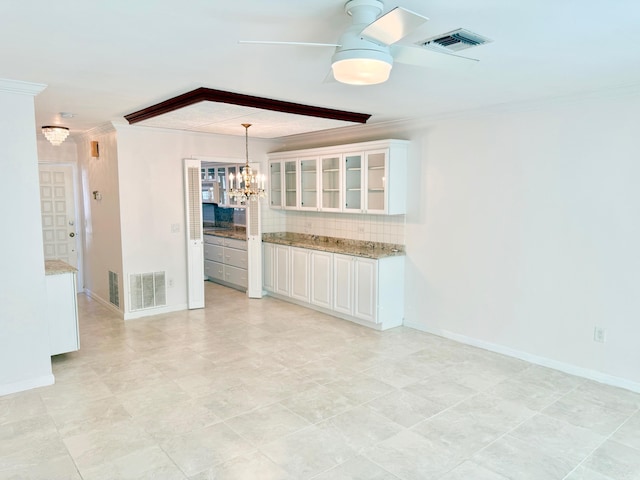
(59, 234)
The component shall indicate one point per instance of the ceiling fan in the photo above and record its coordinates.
(367, 49)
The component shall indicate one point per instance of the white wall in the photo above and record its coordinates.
(102, 238)
(24, 333)
(526, 235)
(150, 174)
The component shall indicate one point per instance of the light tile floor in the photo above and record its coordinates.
(260, 389)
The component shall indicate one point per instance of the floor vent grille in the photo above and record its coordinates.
(147, 290)
(114, 290)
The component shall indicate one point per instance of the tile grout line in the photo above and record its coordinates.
(609, 437)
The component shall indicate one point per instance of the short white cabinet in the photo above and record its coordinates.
(363, 290)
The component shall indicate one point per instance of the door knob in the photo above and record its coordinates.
(72, 234)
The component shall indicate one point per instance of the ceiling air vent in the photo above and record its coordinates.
(455, 40)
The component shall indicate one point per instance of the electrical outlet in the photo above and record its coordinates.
(599, 335)
(175, 228)
(170, 283)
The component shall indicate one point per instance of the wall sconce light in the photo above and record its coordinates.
(97, 195)
(95, 150)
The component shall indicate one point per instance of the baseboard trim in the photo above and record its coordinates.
(21, 386)
(543, 361)
(104, 302)
(155, 311)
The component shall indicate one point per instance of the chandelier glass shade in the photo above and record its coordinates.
(247, 184)
(55, 134)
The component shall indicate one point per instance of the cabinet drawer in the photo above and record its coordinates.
(213, 240)
(214, 253)
(214, 270)
(236, 258)
(236, 276)
(234, 243)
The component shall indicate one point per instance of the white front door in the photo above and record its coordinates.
(57, 205)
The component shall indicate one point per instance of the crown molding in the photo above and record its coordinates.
(22, 88)
(203, 94)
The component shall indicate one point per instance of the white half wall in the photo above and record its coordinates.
(25, 361)
(524, 234)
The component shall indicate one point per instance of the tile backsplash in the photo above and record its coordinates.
(375, 228)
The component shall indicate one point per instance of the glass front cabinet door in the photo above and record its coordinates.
(376, 177)
(309, 184)
(330, 183)
(275, 184)
(290, 184)
(353, 182)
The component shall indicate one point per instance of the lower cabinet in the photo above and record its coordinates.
(364, 290)
(225, 261)
(62, 313)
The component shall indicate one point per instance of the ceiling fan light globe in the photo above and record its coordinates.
(361, 71)
(361, 67)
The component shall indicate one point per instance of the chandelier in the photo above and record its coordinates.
(55, 134)
(248, 184)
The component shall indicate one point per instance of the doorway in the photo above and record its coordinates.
(58, 207)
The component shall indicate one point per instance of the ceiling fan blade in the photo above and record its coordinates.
(393, 26)
(425, 57)
(304, 44)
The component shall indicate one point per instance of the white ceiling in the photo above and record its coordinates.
(103, 60)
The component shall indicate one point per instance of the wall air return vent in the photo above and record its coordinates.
(455, 40)
(147, 290)
(114, 290)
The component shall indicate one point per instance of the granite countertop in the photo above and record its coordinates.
(239, 233)
(57, 267)
(345, 246)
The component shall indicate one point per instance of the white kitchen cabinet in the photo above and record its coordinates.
(268, 264)
(364, 290)
(343, 284)
(62, 312)
(330, 183)
(365, 282)
(321, 284)
(353, 182)
(225, 261)
(367, 177)
(300, 274)
(308, 168)
(275, 184)
(290, 168)
(282, 273)
(355, 286)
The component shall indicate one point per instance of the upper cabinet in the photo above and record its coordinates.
(365, 177)
(330, 183)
